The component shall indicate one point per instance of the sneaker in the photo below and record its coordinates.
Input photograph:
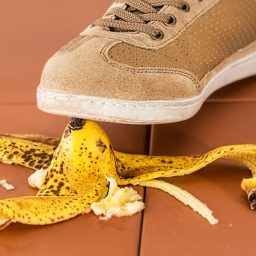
(151, 61)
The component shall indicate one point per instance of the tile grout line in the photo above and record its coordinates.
(141, 224)
(149, 145)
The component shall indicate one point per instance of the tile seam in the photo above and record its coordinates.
(149, 143)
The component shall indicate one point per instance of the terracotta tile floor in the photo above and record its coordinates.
(30, 32)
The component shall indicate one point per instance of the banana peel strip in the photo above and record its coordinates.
(185, 197)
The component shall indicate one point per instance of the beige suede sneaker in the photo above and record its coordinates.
(151, 61)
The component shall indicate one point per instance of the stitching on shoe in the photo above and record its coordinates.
(147, 70)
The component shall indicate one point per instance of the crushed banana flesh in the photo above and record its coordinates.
(119, 202)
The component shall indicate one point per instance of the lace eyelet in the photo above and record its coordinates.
(171, 20)
(185, 7)
(157, 34)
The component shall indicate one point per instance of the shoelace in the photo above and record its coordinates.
(138, 13)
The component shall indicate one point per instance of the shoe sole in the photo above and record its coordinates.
(147, 112)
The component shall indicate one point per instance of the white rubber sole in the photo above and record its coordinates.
(143, 112)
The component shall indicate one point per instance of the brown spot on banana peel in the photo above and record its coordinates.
(252, 199)
(76, 124)
(101, 145)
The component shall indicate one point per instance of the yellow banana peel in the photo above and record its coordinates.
(81, 172)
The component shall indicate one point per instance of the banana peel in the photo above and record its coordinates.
(74, 175)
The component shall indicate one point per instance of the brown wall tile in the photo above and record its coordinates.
(244, 90)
